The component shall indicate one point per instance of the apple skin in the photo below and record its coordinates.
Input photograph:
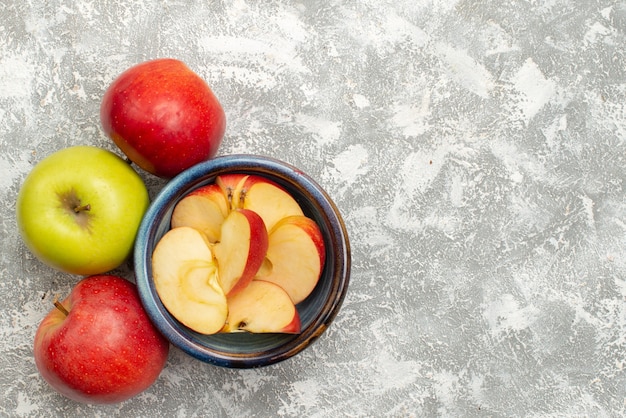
(90, 241)
(163, 116)
(105, 350)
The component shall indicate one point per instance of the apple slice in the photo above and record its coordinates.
(296, 254)
(231, 185)
(203, 209)
(262, 307)
(241, 250)
(186, 279)
(261, 195)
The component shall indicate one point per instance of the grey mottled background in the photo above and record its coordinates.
(476, 150)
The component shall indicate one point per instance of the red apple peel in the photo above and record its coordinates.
(98, 345)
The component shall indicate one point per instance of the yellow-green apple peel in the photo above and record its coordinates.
(79, 210)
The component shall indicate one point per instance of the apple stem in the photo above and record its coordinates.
(60, 307)
(86, 207)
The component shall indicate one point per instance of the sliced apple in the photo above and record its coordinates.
(203, 209)
(231, 186)
(261, 195)
(262, 307)
(186, 279)
(296, 256)
(241, 250)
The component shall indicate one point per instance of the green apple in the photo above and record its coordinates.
(79, 210)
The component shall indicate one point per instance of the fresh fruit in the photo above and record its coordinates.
(296, 255)
(232, 217)
(262, 307)
(232, 185)
(79, 210)
(186, 280)
(98, 345)
(203, 209)
(163, 116)
(259, 194)
(241, 250)
(206, 207)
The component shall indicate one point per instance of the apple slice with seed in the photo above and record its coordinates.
(186, 279)
(241, 250)
(203, 209)
(295, 255)
(231, 186)
(262, 307)
(259, 194)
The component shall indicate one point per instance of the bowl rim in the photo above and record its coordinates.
(198, 174)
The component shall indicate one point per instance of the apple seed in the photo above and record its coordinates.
(229, 192)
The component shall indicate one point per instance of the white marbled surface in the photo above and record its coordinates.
(476, 150)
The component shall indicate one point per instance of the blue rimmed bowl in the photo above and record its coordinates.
(245, 350)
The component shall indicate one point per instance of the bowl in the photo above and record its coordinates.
(317, 311)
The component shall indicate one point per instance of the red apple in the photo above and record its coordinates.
(163, 116)
(98, 345)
